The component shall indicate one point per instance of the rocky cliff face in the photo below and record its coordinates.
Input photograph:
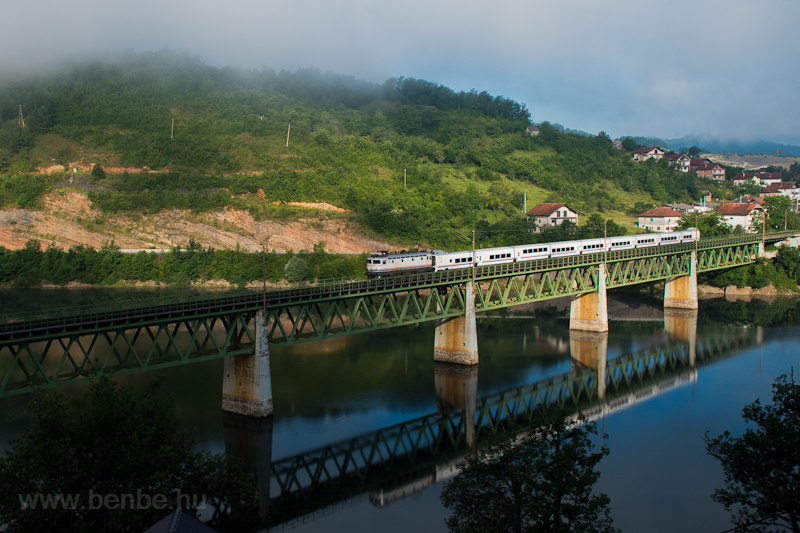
(68, 219)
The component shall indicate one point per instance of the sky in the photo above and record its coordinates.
(726, 69)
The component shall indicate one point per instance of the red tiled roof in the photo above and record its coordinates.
(770, 176)
(744, 176)
(646, 149)
(747, 199)
(661, 212)
(544, 210)
(737, 209)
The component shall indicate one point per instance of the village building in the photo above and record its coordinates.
(748, 199)
(552, 214)
(768, 178)
(533, 131)
(660, 219)
(743, 178)
(710, 170)
(648, 152)
(741, 215)
(683, 208)
(698, 161)
(679, 162)
(788, 189)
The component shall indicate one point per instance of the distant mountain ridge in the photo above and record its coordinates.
(707, 144)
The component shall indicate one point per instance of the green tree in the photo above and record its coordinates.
(762, 467)
(539, 482)
(597, 227)
(779, 212)
(296, 269)
(97, 174)
(710, 224)
(107, 443)
(628, 144)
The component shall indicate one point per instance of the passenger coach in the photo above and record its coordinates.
(436, 260)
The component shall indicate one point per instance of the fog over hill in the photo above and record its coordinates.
(710, 144)
(722, 68)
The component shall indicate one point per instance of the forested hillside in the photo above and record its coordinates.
(415, 161)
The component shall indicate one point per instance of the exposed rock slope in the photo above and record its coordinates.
(68, 219)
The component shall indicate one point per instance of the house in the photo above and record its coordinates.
(740, 214)
(710, 170)
(552, 214)
(689, 208)
(648, 152)
(699, 161)
(748, 199)
(681, 207)
(660, 219)
(617, 144)
(679, 162)
(768, 178)
(784, 188)
(743, 178)
(533, 131)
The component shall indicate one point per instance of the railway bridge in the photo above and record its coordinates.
(84, 345)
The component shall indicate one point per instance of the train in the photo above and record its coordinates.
(392, 264)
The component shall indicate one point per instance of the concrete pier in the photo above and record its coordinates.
(456, 338)
(250, 439)
(681, 325)
(681, 292)
(246, 382)
(589, 349)
(589, 312)
(457, 389)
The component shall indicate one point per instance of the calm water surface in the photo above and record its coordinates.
(658, 475)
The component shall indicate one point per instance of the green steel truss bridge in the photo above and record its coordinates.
(59, 350)
(405, 457)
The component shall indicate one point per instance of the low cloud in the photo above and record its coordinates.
(638, 68)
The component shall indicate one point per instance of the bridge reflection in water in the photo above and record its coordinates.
(399, 460)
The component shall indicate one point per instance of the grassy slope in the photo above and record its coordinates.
(348, 156)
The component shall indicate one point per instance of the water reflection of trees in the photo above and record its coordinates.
(778, 312)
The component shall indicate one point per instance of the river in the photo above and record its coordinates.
(346, 390)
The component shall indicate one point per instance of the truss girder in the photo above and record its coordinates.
(56, 353)
(79, 357)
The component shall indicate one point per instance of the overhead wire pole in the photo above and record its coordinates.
(473, 257)
(263, 256)
(264, 276)
(473, 251)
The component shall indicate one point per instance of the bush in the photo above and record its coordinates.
(296, 270)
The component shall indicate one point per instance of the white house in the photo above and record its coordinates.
(740, 214)
(742, 179)
(784, 188)
(660, 219)
(679, 162)
(648, 152)
(552, 214)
